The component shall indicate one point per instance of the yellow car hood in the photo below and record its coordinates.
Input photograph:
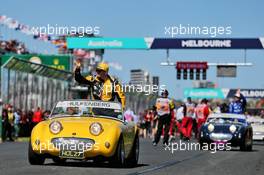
(78, 127)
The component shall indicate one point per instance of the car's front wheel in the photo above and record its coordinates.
(247, 142)
(34, 158)
(118, 159)
(134, 154)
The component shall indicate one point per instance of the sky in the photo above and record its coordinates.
(148, 19)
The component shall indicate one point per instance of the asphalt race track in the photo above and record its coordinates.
(153, 160)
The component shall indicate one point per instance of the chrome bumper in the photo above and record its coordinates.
(220, 137)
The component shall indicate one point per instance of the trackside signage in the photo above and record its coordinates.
(248, 93)
(209, 93)
(107, 43)
(218, 93)
(164, 43)
(208, 43)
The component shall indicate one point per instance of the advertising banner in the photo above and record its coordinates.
(218, 93)
(60, 62)
(164, 43)
(248, 93)
(209, 93)
(208, 43)
(107, 43)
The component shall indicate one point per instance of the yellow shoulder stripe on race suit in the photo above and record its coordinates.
(164, 106)
(120, 95)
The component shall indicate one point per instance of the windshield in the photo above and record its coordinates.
(87, 109)
(225, 120)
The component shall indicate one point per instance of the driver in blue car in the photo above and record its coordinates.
(238, 106)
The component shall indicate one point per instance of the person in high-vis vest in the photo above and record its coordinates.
(164, 108)
(202, 112)
(104, 87)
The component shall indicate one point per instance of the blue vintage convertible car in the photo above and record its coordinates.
(227, 128)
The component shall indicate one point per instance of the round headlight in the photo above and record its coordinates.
(96, 129)
(55, 127)
(210, 127)
(232, 128)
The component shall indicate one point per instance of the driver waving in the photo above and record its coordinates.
(104, 87)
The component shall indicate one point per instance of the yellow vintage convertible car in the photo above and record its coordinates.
(85, 130)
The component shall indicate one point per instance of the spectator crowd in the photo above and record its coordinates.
(12, 46)
(17, 123)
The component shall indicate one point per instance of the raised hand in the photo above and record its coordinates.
(77, 65)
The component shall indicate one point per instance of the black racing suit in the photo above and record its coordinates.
(105, 90)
